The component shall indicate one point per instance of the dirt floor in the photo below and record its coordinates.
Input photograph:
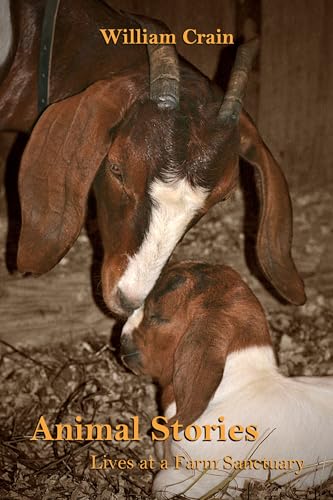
(56, 358)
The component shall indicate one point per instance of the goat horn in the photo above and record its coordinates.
(233, 98)
(164, 67)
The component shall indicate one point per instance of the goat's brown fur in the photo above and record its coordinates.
(196, 315)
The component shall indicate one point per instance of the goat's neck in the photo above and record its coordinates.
(246, 367)
(253, 365)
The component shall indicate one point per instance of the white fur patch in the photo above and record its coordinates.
(171, 410)
(175, 204)
(133, 321)
(296, 416)
(6, 31)
(248, 366)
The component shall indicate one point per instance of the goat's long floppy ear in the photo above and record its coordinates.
(59, 164)
(198, 369)
(275, 227)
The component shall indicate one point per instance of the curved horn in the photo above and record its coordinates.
(233, 98)
(164, 67)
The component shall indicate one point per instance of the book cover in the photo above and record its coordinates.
(140, 212)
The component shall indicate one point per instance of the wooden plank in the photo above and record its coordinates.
(49, 309)
(296, 82)
(57, 306)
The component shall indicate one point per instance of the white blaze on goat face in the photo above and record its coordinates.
(174, 204)
(6, 32)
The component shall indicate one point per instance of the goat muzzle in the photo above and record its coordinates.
(127, 305)
(129, 354)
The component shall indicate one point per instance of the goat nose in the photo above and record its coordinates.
(127, 345)
(126, 304)
(129, 353)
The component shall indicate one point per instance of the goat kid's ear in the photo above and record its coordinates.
(198, 369)
(59, 164)
(275, 227)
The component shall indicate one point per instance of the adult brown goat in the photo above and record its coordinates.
(158, 151)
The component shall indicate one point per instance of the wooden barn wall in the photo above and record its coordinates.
(295, 111)
(291, 97)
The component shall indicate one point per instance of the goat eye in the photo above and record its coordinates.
(116, 170)
(157, 319)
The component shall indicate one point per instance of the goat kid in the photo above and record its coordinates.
(203, 336)
(154, 138)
